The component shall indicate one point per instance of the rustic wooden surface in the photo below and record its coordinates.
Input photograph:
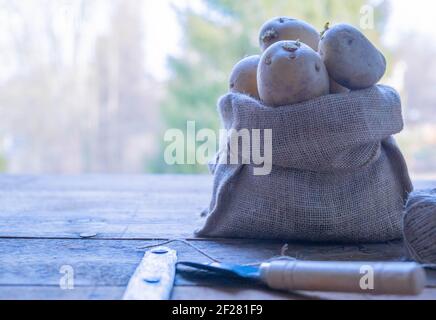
(99, 225)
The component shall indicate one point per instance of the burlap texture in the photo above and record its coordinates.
(420, 226)
(337, 176)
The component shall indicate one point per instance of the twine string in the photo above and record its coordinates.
(282, 255)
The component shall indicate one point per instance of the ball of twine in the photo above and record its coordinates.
(420, 226)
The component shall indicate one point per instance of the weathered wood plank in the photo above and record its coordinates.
(32, 267)
(112, 207)
(126, 183)
(116, 293)
(112, 262)
(225, 293)
(123, 183)
(186, 293)
(37, 262)
(56, 293)
(130, 207)
(136, 224)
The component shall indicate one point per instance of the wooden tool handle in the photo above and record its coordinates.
(370, 278)
(154, 277)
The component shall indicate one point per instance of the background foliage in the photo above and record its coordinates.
(219, 36)
(85, 87)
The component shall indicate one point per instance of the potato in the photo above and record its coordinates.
(290, 72)
(243, 78)
(351, 59)
(337, 88)
(283, 28)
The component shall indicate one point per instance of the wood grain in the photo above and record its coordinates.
(112, 262)
(187, 293)
(99, 225)
(34, 264)
(111, 207)
(115, 207)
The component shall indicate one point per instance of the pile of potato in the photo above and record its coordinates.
(298, 63)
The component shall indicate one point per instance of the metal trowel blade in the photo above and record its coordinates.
(229, 270)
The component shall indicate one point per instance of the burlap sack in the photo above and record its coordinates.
(337, 176)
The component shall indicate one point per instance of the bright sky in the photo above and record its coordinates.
(157, 11)
(163, 41)
(417, 16)
(406, 16)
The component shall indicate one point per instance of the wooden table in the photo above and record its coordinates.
(98, 226)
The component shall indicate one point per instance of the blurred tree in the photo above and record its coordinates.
(220, 34)
(127, 114)
(75, 95)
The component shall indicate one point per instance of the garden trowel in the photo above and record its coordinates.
(393, 278)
